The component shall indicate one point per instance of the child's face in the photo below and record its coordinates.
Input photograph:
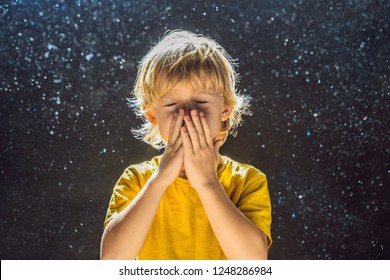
(183, 96)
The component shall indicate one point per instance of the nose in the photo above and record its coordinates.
(187, 108)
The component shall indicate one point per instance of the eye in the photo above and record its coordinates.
(170, 104)
(201, 102)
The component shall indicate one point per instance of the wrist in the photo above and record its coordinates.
(159, 179)
(211, 182)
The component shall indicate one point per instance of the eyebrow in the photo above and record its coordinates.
(168, 95)
(206, 92)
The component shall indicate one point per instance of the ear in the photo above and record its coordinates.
(151, 116)
(226, 112)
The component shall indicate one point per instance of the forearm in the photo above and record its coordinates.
(238, 237)
(125, 234)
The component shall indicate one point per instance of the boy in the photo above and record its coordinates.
(190, 202)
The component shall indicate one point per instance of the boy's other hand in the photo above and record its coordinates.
(200, 151)
(172, 159)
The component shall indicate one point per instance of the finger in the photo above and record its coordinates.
(199, 128)
(193, 134)
(187, 145)
(206, 129)
(174, 130)
(178, 144)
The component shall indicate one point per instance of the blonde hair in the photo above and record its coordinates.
(185, 56)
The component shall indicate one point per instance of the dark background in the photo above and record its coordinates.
(319, 75)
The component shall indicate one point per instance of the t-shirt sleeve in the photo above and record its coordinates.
(125, 190)
(255, 202)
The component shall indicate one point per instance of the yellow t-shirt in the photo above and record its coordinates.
(180, 229)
